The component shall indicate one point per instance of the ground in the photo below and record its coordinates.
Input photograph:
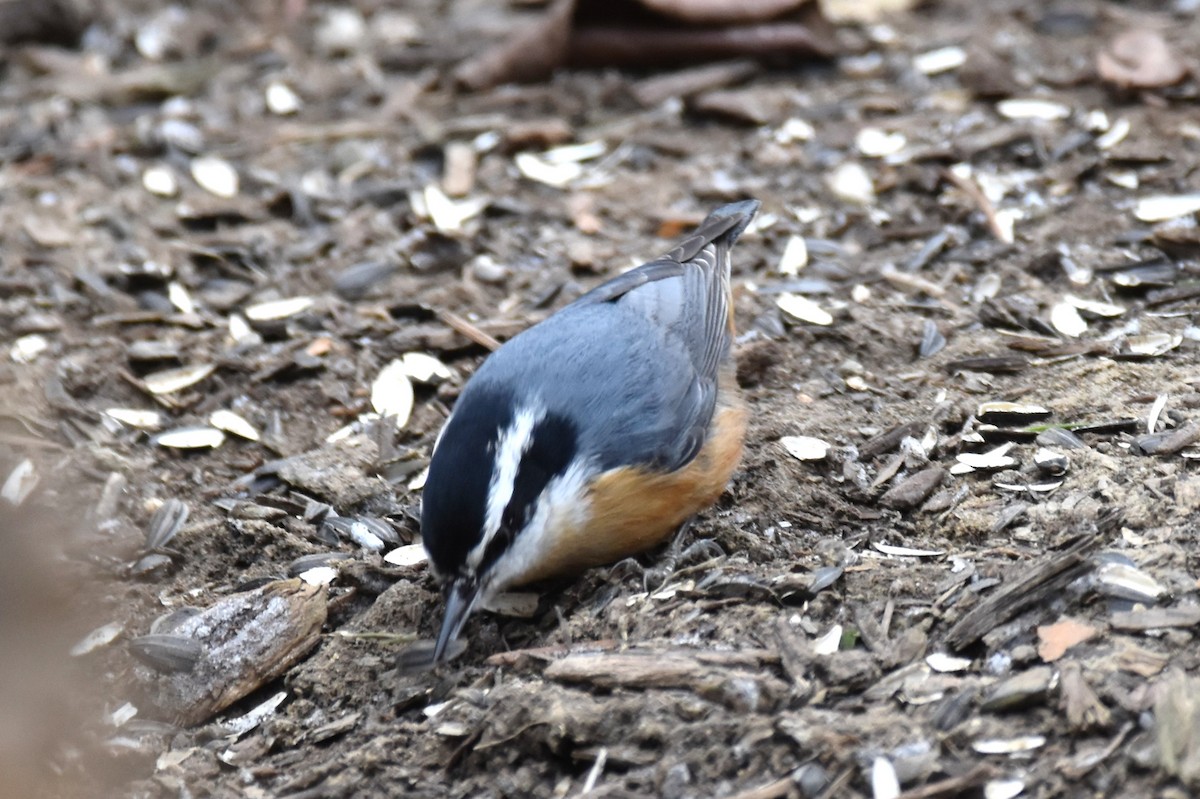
(878, 615)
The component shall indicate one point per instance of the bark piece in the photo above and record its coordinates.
(247, 640)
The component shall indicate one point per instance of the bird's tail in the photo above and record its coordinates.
(722, 228)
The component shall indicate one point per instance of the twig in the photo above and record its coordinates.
(772, 790)
(972, 190)
(460, 325)
(951, 786)
(1034, 585)
(512, 657)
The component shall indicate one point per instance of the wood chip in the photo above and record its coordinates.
(247, 640)
(1031, 585)
(449, 215)
(1156, 618)
(669, 670)
(1167, 442)
(914, 489)
(1177, 728)
(1142, 662)
(1083, 708)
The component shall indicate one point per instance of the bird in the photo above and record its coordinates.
(594, 434)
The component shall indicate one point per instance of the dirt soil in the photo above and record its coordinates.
(860, 623)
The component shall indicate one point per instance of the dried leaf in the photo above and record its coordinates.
(1055, 639)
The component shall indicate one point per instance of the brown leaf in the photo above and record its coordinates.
(1140, 59)
(1055, 639)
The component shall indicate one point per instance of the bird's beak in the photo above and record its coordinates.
(461, 597)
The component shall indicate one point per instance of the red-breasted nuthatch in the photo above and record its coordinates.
(594, 434)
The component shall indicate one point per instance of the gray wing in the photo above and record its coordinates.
(687, 291)
(680, 304)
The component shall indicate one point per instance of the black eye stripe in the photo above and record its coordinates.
(455, 495)
(552, 448)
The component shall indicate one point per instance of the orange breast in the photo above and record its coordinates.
(632, 510)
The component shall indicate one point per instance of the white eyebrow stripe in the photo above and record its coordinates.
(511, 446)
